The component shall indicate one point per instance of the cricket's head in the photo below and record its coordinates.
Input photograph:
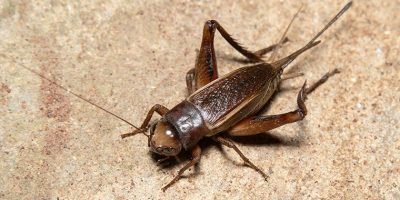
(164, 139)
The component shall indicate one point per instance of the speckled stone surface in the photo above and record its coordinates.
(130, 55)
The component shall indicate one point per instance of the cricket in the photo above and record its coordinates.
(226, 106)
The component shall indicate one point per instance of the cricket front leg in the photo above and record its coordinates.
(229, 143)
(160, 109)
(196, 155)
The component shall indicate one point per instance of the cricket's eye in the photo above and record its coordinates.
(165, 140)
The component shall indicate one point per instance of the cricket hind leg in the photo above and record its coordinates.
(206, 69)
(262, 52)
(274, 48)
(206, 65)
(229, 143)
(260, 124)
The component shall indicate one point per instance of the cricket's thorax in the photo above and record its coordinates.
(188, 122)
(231, 98)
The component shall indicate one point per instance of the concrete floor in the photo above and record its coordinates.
(129, 55)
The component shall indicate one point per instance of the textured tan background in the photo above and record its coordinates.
(127, 56)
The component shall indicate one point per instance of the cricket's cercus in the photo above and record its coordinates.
(220, 106)
(225, 105)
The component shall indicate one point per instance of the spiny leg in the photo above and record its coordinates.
(160, 109)
(273, 48)
(196, 155)
(260, 53)
(229, 143)
(259, 124)
(206, 65)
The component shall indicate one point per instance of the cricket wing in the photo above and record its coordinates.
(236, 95)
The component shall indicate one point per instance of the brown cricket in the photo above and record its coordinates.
(230, 104)
(227, 104)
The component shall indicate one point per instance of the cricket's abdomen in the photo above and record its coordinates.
(231, 98)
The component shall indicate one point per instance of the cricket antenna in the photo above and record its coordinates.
(138, 130)
(284, 62)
